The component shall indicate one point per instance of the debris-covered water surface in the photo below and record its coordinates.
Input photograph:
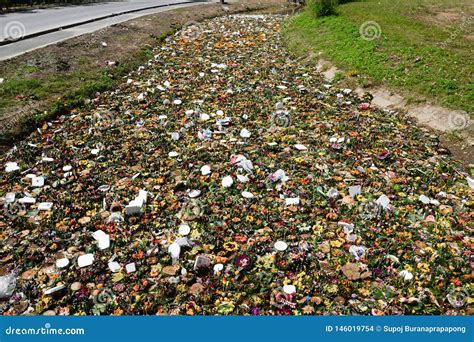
(225, 178)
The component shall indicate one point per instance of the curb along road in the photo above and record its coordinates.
(63, 27)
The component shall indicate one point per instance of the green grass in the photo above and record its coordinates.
(408, 56)
(33, 88)
(72, 88)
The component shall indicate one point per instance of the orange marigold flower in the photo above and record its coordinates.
(240, 238)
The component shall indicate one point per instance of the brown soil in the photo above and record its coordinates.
(469, 37)
(447, 17)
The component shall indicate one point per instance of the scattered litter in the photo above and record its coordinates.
(27, 200)
(354, 190)
(184, 229)
(300, 147)
(130, 268)
(244, 133)
(242, 178)
(7, 285)
(174, 249)
(205, 170)
(37, 181)
(194, 193)
(10, 197)
(52, 290)
(135, 206)
(247, 194)
(114, 266)
(201, 262)
(102, 239)
(11, 167)
(281, 246)
(406, 275)
(289, 289)
(292, 201)
(61, 263)
(384, 202)
(85, 260)
(470, 182)
(279, 175)
(227, 182)
(242, 162)
(218, 268)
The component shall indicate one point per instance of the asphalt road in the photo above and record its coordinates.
(42, 20)
(20, 24)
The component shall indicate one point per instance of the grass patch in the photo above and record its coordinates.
(408, 56)
(339, 76)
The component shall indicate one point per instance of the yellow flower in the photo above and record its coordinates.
(226, 307)
(299, 160)
(444, 223)
(318, 228)
(231, 246)
(256, 299)
(423, 267)
(332, 289)
(405, 235)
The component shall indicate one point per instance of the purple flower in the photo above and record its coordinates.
(243, 261)
(383, 155)
(255, 311)
(119, 288)
(82, 293)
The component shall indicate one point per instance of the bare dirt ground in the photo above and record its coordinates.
(447, 17)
